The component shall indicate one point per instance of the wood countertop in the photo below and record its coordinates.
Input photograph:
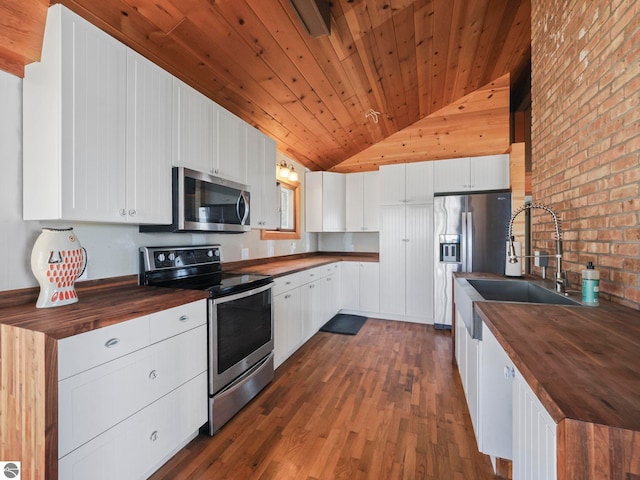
(582, 362)
(296, 263)
(100, 304)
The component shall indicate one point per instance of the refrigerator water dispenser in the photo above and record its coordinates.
(450, 248)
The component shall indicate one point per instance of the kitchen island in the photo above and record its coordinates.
(582, 365)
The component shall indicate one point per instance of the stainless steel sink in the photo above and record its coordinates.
(520, 291)
(467, 291)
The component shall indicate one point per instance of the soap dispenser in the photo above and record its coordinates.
(590, 285)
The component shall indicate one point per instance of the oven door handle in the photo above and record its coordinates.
(248, 293)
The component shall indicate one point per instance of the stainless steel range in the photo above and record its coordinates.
(240, 322)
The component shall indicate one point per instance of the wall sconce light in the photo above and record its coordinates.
(286, 172)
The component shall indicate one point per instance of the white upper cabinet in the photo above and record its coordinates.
(406, 183)
(261, 167)
(195, 129)
(472, 174)
(208, 138)
(362, 202)
(149, 112)
(231, 147)
(325, 202)
(84, 104)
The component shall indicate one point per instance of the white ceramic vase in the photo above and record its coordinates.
(57, 260)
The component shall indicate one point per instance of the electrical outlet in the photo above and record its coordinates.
(244, 254)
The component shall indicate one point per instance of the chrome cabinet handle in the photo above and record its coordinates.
(132, 212)
(154, 436)
(153, 374)
(287, 297)
(122, 212)
(183, 318)
(112, 342)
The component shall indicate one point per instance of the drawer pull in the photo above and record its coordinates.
(287, 297)
(154, 436)
(153, 374)
(184, 318)
(112, 342)
(287, 283)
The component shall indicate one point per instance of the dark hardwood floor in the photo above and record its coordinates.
(384, 404)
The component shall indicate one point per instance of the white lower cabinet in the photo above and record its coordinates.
(495, 427)
(360, 284)
(139, 445)
(534, 435)
(312, 307)
(125, 405)
(287, 328)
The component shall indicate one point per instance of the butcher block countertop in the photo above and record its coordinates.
(582, 364)
(100, 303)
(295, 263)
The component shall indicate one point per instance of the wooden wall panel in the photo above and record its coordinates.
(477, 124)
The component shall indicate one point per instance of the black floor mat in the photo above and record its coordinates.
(345, 324)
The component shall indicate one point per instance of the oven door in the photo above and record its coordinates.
(240, 334)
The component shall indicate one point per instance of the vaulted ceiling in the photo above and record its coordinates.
(405, 59)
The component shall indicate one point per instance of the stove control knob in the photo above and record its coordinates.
(172, 256)
(213, 253)
(161, 257)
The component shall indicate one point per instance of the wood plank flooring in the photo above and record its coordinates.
(384, 404)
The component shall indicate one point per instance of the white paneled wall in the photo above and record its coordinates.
(112, 249)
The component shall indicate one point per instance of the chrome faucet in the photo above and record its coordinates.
(511, 252)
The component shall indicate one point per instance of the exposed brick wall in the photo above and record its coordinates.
(585, 91)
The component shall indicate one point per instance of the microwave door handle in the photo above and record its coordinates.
(243, 198)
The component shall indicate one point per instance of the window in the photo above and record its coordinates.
(289, 208)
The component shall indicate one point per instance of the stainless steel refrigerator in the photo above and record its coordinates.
(470, 236)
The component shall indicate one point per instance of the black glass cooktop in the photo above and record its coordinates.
(221, 283)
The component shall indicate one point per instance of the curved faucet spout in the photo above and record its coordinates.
(513, 258)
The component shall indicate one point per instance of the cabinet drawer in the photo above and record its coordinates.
(87, 350)
(286, 283)
(313, 274)
(173, 321)
(136, 447)
(93, 401)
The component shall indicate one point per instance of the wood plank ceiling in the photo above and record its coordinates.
(403, 58)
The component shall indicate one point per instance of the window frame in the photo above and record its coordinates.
(288, 234)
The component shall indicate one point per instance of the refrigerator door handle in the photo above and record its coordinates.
(464, 242)
(469, 242)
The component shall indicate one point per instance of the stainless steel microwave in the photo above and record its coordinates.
(205, 203)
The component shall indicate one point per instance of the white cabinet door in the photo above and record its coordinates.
(312, 309)
(406, 261)
(452, 175)
(419, 260)
(392, 260)
(136, 447)
(419, 182)
(333, 202)
(74, 114)
(472, 174)
(261, 172)
(354, 202)
(371, 201)
(369, 287)
(195, 129)
(392, 177)
(231, 147)
(287, 324)
(461, 349)
(495, 423)
(534, 435)
(362, 202)
(332, 294)
(325, 202)
(149, 98)
(406, 183)
(350, 285)
(489, 173)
